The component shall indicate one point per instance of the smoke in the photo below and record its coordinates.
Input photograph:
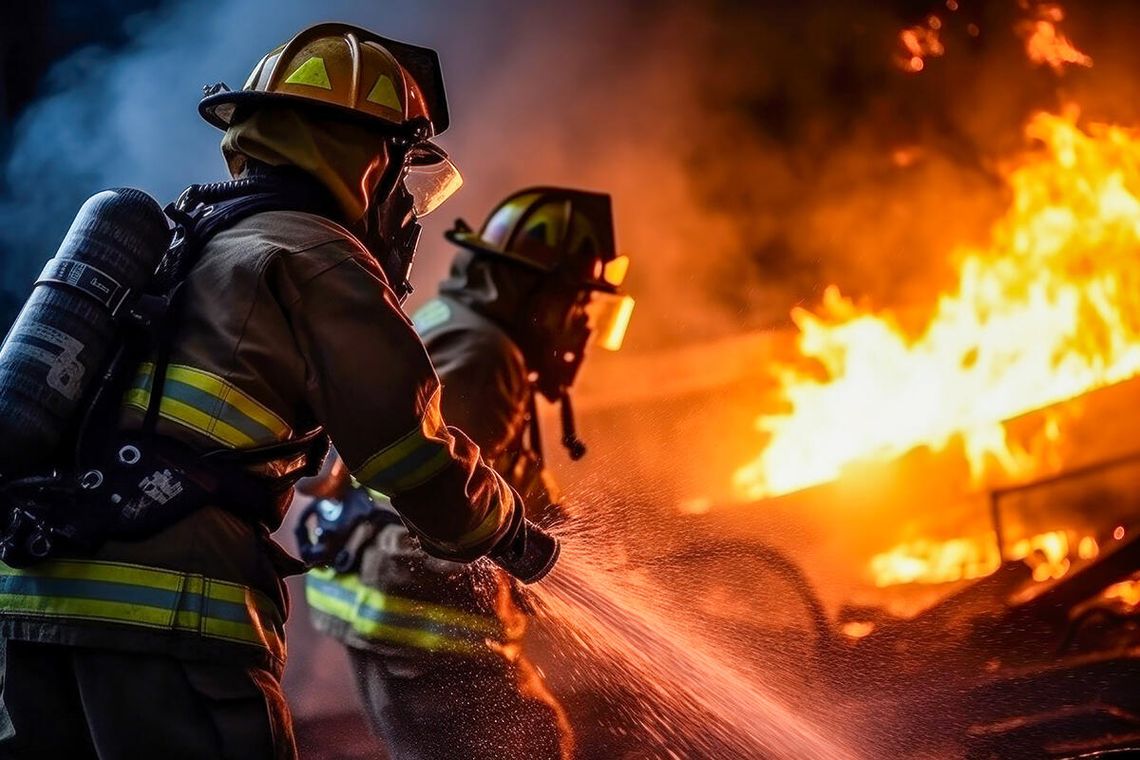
(756, 152)
(539, 95)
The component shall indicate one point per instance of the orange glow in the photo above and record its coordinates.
(1044, 44)
(1088, 548)
(1049, 555)
(857, 629)
(1118, 534)
(919, 43)
(1047, 310)
(1125, 592)
(927, 561)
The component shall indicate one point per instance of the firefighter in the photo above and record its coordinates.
(436, 646)
(171, 642)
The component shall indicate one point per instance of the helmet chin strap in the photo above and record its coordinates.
(393, 247)
(404, 244)
(575, 447)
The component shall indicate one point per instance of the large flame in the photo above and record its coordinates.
(1046, 311)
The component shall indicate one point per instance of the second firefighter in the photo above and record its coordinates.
(437, 646)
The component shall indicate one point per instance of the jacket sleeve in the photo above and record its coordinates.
(371, 384)
(484, 387)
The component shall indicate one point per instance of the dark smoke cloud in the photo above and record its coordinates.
(756, 151)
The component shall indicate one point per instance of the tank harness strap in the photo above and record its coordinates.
(135, 485)
(88, 280)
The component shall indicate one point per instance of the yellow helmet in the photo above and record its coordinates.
(555, 230)
(568, 235)
(347, 71)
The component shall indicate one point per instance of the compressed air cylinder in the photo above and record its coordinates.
(67, 332)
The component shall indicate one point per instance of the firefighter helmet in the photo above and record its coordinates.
(568, 235)
(347, 71)
(556, 230)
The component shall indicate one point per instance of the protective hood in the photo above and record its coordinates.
(496, 288)
(348, 159)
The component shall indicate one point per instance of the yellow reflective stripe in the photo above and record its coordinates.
(439, 613)
(386, 457)
(209, 405)
(228, 394)
(97, 570)
(490, 525)
(89, 609)
(190, 417)
(415, 458)
(424, 472)
(480, 533)
(376, 615)
(371, 629)
(142, 596)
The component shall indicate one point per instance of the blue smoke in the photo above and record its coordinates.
(128, 117)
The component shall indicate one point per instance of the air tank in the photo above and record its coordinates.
(67, 331)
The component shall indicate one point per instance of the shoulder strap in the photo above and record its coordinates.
(200, 213)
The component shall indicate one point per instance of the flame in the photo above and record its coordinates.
(928, 561)
(1048, 310)
(1049, 555)
(1044, 44)
(857, 629)
(1127, 593)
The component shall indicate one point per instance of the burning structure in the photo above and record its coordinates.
(978, 456)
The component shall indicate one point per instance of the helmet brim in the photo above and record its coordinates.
(473, 242)
(220, 109)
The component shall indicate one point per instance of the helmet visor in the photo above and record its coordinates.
(430, 178)
(608, 315)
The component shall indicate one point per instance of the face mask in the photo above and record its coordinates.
(392, 229)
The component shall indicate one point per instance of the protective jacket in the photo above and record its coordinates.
(402, 603)
(287, 324)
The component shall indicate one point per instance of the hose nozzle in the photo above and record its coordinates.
(530, 555)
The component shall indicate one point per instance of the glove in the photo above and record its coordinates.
(332, 482)
(527, 552)
(326, 528)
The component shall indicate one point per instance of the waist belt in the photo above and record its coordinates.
(143, 597)
(378, 616)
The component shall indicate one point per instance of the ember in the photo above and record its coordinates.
(1043, 43)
